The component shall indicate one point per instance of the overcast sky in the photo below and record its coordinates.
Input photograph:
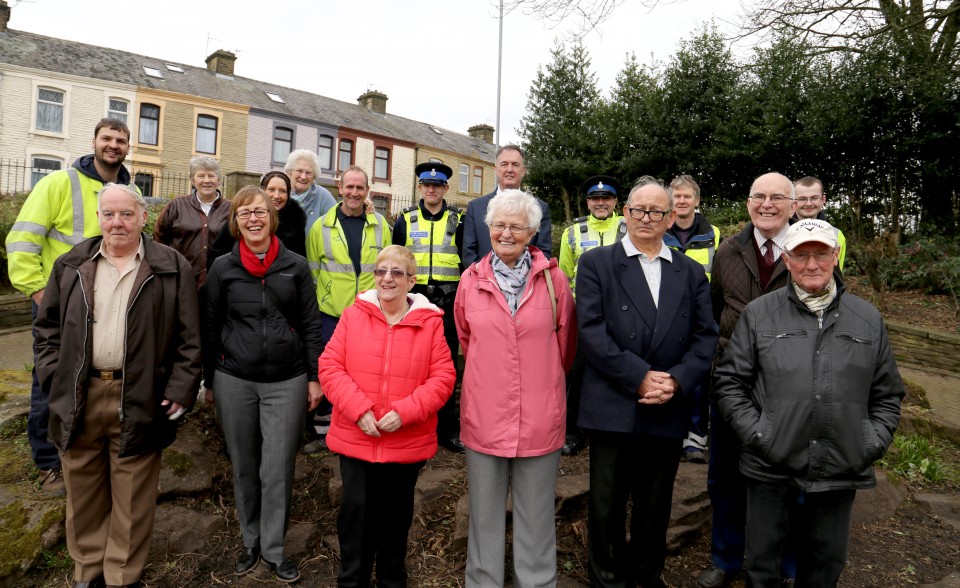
(435, 59)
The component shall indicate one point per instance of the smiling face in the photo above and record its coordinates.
(255, 231)
(509, 245)
(510, 169)
(121, 221)
(811, 265)
(206, 182)
(601, 207)
(277, 191)
(353, 190)
(432, 194)
(809, 200)
(302, 176)
(685, 202)
(110, 147)
(768, 217)
(392, 289)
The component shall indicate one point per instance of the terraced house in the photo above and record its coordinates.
(53, 92)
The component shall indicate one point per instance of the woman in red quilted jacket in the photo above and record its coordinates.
(387, 370)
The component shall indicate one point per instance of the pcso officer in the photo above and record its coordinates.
(603, 226)
(433, 231)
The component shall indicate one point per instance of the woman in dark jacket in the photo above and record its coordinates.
(292, 219)
(260, 358)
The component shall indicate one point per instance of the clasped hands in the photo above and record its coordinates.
(656, 388)
(388, 423)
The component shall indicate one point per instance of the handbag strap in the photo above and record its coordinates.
(553, 297)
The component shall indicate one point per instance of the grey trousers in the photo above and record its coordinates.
(533, 483)
(262, 423)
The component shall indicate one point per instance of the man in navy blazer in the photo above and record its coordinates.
(476, 235)
(648, 333)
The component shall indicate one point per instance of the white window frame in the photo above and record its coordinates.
(111, 113)
(464, 178)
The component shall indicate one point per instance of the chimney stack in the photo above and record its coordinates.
(373, 101)
(482, 132)
(4, 15)
(221, 62)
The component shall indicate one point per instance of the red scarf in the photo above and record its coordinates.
(254, 264)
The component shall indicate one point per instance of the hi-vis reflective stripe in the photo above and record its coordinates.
(76, 194)
(444, 246)
(24, 247)
(339, 268)
(438, 271)
(436, 249)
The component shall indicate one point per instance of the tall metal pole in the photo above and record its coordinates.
(499, 73)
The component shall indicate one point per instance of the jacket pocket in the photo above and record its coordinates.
(872, 445)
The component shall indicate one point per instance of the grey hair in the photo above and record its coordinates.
(205, 162)
(299, 154)
(133, 194)
(643, 181)
(509, 202)
(685, 180)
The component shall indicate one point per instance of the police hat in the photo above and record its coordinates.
(432, 172)
(601, 186)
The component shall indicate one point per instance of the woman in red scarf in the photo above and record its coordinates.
(260, 366)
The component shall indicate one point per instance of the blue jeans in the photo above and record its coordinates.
(45, 455)
(816, 525)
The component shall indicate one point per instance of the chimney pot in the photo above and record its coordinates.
(221, 62)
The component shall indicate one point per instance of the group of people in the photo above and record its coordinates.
(299, 312)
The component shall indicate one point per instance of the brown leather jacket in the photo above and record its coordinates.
(161, 346)
(183, 226)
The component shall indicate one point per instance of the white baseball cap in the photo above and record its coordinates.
(810, 230)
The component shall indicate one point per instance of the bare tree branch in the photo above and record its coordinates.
(590, 13)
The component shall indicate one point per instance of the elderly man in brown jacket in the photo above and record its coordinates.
(118, 353)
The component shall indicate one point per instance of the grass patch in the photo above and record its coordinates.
(922, 460)
(179, 463)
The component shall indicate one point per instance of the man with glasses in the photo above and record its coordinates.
(433, 231)
(812, 365)
(695, 237)
(745, 267)
(648, 333)
(810, 201)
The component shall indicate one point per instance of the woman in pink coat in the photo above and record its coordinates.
(515, 319)
(387, 370)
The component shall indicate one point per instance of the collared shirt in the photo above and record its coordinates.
(651, 267)
(206, 206)
(111, 295)
(778, 241)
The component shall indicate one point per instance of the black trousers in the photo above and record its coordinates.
(448, 417)
(375, 515)
(641, 468)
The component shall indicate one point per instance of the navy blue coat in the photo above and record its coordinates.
(624, 335)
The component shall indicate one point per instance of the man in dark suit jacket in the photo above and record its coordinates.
(648, 334)
(476, 235)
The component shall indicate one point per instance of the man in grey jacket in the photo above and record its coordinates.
(809, 384)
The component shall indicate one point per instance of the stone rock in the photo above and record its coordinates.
(461, 524)
(335, 485)
(13, 408)
(945, 507)
(951, 581)
(879, 503)
(186, 466)
(573, 491)
(180, 530)
(27, 527)
(431, 485)
(298, 538)
(331, 542)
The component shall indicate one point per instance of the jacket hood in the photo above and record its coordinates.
(420, 307)
(84, 164)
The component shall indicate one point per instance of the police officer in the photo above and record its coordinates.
(603, 226)
(433, 231)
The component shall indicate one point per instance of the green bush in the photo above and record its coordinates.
(916, 458)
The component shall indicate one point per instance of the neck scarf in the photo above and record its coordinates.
(817, 301)
(512, 280)
(252, 263)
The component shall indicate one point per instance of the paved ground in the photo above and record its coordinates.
(16, 348)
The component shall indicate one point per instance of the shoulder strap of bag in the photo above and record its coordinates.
(553, 296)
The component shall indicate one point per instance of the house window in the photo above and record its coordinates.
(43, 166)
(464, 177)
(325, 152)
(477, 180)
(117, 109)
(381, 163)
(282, 143)
(206, 133)
(346, 154)
(49, 110)
(152, 72)
(149, 124)
(144, 181)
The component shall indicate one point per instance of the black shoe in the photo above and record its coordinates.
(574, 445)
(693, 456)
(316, 446)
(286, 571)
(248, 561)
(454, 444)
(714, 577)
(97, 582)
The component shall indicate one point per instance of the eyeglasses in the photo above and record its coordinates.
(396, 273)
(776, 199)
(514, 229)
(303, 172)
(258, 212)
(803, 257)
(809, 200)
(654, 215)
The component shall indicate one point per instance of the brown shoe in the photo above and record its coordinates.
(51, 482)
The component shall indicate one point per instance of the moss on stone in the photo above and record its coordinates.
(178, 463)
(22, 540)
